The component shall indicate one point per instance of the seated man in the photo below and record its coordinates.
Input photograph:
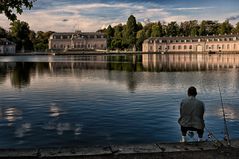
(191, 115)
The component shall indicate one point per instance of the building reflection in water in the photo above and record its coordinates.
(230, 112)
(10, 114)
(21, 73)
(189, 62)
(22, 130)
(55, 110)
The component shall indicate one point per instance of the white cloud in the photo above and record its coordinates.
(94, 16)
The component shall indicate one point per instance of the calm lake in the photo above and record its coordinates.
(50, 101)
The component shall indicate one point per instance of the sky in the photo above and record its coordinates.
(92, 15)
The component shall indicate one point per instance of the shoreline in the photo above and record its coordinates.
(114, 53)
(195, 150)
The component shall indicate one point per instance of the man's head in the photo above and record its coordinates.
(192, 91)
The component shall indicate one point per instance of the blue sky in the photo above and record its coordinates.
(91, 15)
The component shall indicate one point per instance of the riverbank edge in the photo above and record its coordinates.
(195, 150)
(112, 53)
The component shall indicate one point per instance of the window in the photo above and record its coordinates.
(160, 47)
(173, 47)
(185, 47)
(190, 47)
(150, 48)
(228, 46)
(234, 46)
(212, 47)
(222, 46)
(179, 47)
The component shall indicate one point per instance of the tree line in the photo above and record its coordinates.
(20, 33)
(133, 33)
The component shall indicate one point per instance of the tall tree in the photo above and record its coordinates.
(225, 28)
(12, 7)
(109, 36)
(117, 39)
(172, 29)
(130, 31)
(156, 30)
(148, 29)
(140, 39)
(20, 31)
(236, 29)
(208, 27)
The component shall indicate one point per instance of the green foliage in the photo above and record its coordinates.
(172, 29)
(156, 31)
(130, 32)
(225, 28)
(208, 27)
(20, 31)
(109, 36)
(189, 28)
(12, 7)
(236, 29)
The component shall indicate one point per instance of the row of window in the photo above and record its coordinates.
(77, 36)
(221, 47)
(195, 40)
(208, 47)
(179, 47)
(89, 46)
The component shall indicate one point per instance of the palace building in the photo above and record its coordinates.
(77, 41)
(217, 43)
(7, 47)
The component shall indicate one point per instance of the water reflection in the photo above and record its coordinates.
(189, 62)
(20, 76)
(231, 113)
(90, 100)
(10, 114)
(62, 127)
(23, 130)
(55, 110)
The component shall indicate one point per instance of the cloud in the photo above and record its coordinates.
(192, 8)
(233, 17)
(88, 17)
(65, 16)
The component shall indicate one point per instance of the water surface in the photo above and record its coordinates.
(49, 101)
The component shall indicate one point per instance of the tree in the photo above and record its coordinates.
(12, 7)
(20, 32)
(225, 28)
(148, 29)
(156, 30)
(140, 39)
(109, 36)
(130, 31)
(172, 29)
(208, 27)
(189, 28)
(3, 33)
(117, 39)
(236, 29)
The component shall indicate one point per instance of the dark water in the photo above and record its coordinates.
(49, 101)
